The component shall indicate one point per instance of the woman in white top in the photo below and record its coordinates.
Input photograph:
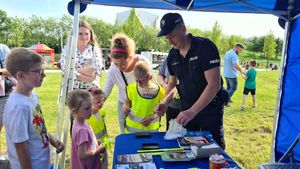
(88, 58)
(124, 59)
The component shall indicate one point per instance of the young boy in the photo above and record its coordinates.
(142, 98)
(250, 84)
(26, 134)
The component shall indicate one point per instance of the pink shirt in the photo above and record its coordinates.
(83, 134)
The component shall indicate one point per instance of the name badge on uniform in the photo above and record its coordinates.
(175, 63)
(214, 61)
(193, 58)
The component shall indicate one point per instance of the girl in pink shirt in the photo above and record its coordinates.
(85, 153)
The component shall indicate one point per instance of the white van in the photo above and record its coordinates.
(155, 58)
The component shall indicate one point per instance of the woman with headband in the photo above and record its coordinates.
(120, 73)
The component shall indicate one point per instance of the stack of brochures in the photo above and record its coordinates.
(135, 161)
(200, 146)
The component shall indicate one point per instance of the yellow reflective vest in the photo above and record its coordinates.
(98, 126)
(141, 108)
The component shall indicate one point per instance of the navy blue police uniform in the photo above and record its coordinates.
(202, 56)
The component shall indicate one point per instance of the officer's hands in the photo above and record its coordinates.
(185, 116)
(160, 109)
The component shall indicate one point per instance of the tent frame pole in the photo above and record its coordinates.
(67, 84)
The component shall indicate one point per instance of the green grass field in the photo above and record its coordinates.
(248, 133)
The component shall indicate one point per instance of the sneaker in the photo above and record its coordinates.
(242, 108)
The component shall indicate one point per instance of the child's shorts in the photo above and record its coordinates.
(246, 91)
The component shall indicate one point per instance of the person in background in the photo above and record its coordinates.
(120, 72)
(250, 84)
(97, 122)
(174, 107)
(88, 60)
(195, 63)
(86, 150)
(231, 66)
(4, 89)
(27, 137)
(142, 97)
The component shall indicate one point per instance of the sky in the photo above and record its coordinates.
(246, 25)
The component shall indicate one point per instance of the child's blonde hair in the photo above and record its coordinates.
(122, 41)
(142, 69)
(76, 97)
(22, 59)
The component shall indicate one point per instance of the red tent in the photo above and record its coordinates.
(42, 48)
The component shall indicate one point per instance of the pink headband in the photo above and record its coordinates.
(119, 50)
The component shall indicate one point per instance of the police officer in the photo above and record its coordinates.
(195, 62)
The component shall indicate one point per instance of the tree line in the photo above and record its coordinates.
(53, 31)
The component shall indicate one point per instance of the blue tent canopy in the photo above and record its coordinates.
(287, 110)
(278, 8)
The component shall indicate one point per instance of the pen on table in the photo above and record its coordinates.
(157, 150)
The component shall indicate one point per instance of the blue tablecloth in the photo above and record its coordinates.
(128, 144)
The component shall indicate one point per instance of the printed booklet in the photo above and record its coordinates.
(183, 155)
(134, 158)
(186, 142)
(148, 165)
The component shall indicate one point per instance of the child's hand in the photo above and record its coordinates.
(99, 142)
(125, 109)
(146, 121)
(160, 109)
(57, 144)
(100, 149)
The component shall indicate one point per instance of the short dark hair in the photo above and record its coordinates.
(253, 63)
(240, 45)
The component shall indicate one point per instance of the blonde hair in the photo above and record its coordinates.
(142, 69)
(122, 41)
(21, 59)
(76, 97)
(93, 38)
